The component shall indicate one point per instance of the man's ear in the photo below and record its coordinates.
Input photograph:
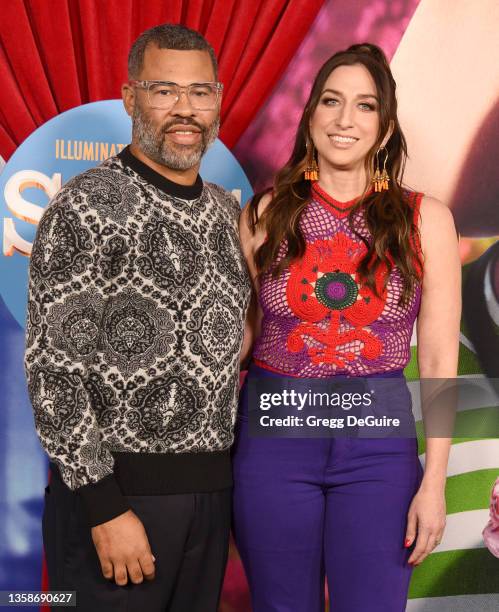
(128, 96)
(389, 133)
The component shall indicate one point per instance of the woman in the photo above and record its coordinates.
(338, 252)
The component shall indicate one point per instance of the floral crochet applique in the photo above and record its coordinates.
(335, 308)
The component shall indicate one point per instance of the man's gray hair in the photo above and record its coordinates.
(168, 36)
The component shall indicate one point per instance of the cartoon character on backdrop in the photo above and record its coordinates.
(456, 124)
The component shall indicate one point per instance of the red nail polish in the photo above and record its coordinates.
(407, 542)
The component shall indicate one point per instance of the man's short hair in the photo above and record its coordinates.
(168, 36)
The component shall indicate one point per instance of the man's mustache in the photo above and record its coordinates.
(183, 122)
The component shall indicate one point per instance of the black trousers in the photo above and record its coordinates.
(188, 534)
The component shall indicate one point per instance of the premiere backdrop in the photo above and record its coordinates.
(61, 66)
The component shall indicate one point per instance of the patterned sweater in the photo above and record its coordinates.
(137, 298)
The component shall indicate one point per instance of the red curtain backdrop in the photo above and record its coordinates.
(58, 54)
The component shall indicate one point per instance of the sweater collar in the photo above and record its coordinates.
(184, 192)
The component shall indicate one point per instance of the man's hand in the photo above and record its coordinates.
(123, 549)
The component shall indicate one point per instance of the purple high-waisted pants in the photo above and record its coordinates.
(306, 508)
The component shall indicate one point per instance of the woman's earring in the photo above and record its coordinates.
(381, 178)
(312, 169)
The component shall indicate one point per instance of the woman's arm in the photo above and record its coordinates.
(440, 315)
(250, 243)
(438, 347)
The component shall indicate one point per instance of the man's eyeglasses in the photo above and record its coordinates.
(165, 94)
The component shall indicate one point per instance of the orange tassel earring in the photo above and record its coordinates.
(381, 178)
(312, 169)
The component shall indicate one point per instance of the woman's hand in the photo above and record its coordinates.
(425, 522)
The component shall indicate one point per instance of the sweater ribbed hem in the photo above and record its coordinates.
(152, 474)
(172, 473)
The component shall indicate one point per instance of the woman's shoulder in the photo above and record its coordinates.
(433, 210)
(252, 212)
(427, 207)
(252, 233)
(257, 205)
(435, 220)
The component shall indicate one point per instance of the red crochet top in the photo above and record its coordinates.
(319, 320)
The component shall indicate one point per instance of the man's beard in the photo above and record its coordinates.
(152, 142)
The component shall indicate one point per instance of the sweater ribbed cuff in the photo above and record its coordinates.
(103, 500)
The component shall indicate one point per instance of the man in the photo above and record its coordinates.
(137, 298)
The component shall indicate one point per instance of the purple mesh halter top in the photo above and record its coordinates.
(318, 319)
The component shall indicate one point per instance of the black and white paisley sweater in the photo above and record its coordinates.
(137, 298)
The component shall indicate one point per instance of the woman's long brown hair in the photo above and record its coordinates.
(389, 214)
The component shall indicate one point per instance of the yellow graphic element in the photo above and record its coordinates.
(85, 150)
